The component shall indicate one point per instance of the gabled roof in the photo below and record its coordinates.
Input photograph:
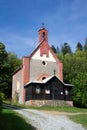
(39, 44)
(54, 55)
(46, 81)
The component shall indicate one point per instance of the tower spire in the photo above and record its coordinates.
(42, 33)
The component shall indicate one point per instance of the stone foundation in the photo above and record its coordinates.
(49, 103)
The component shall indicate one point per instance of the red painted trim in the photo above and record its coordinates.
(42, 75)
(44, 49)
(25, 75)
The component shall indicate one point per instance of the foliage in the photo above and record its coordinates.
(66, 49)
(14, 62)
(55, 49)
(3, 68)
(79, 47)
(85, 46)
(75, 72)
(80, 89)
(1, 100)
(8, 64)
(3, 54)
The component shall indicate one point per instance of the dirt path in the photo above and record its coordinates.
(44, 120)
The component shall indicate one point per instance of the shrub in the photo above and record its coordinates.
(1, 100)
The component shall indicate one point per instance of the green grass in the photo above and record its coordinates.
(49, 108)
(10, 120)
(61, 109)
(81, 118)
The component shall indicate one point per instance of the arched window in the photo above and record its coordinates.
(43, 35)
(43, 78)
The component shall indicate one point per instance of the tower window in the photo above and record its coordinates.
(43, 35)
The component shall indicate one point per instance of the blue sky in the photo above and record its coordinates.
(20, 20)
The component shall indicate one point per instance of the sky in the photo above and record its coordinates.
(20, 20)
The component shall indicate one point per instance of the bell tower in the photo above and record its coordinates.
(42, 34)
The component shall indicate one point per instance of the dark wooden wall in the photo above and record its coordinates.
(55, 88)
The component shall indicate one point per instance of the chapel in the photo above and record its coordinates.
(40, 77)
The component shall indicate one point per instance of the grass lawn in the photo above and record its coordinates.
(50, 108)
(61, 109)
(10, 120)
(81, 118)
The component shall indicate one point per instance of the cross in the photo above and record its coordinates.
(54, 71)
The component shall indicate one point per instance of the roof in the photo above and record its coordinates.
(19, 68)
(45, 81)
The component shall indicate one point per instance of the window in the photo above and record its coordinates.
(47, 91)
(43, 35)
(66, 92)
(61, 93)
(43, 78)
(38, 90)
(44, 62)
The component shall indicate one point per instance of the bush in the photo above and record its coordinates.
(1, 100)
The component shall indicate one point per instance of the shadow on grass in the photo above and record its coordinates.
(12, 107)
(10, 120)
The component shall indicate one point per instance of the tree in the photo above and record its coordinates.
(14, 62)
(79, 47)
(1, 101)
(57, 50)
(3, 68)
(54, 49)
(75, 72)
(8, 64)
(66, 49)
(85, 46)
(80, 89)
(68, 63)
